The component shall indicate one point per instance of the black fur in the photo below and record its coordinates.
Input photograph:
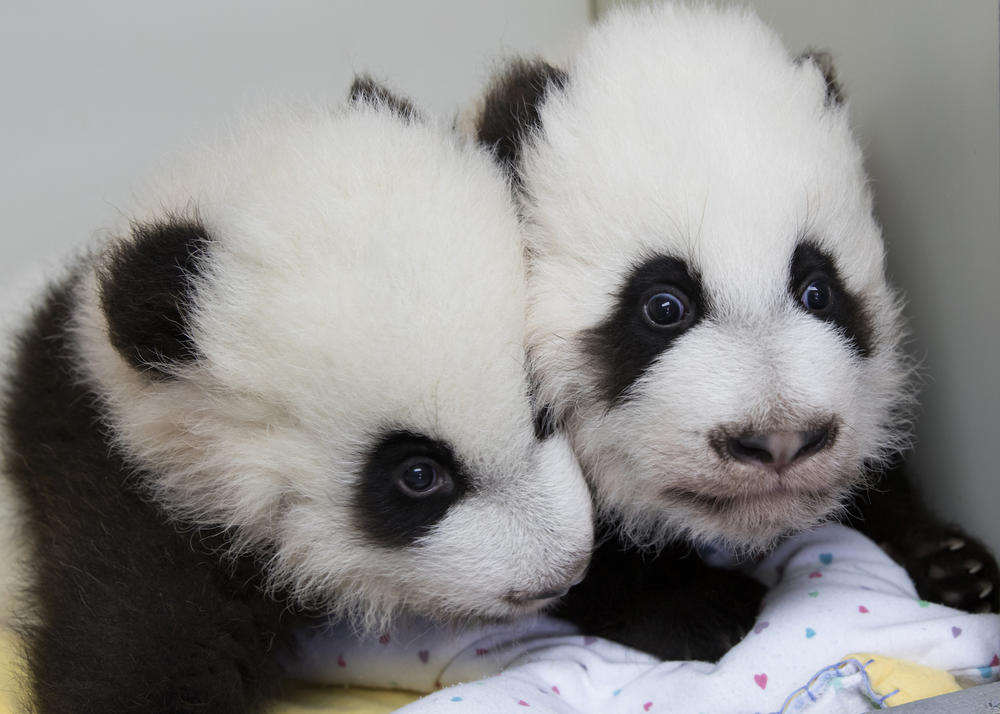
(367, 90)
(545, 422)
(624, 344)
(511, 106)
(158, 626)
(845, 311)
(670, 604)
(146, 291)
(824, 61)
(387, 514)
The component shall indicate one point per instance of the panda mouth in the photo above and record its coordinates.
(534, 599)
(727, 503)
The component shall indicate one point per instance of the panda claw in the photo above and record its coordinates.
(953, 544)
(973, 566)
(987, 589)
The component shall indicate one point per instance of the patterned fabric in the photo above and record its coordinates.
(832, 593)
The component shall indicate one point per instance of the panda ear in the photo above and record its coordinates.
(365, 90)
(510, 108)
(824, 63)
(146, 290)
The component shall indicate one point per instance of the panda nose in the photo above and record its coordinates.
(780, 449)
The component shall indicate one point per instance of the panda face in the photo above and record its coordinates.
(313, 338)
(709, 314)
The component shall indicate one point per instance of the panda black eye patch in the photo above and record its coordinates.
(406, 485)
(817, 289)
(658, 301)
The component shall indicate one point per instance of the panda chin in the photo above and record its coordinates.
(752, 522)
(748, 522)
(528, 608)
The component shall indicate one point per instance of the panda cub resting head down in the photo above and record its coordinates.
(294, 382)
(709, 315)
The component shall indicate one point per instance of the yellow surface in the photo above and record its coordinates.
(338, 699)
(914, 681)
(301, 699)
(8, 688)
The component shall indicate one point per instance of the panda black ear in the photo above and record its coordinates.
(824, 62)
(510, 110)
(365, 90)
(146, 289)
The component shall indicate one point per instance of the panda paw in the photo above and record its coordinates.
(949, 567)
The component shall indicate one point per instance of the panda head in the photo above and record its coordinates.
(312, 338)
(710, 318)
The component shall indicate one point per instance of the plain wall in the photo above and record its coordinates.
(96, 94)
(921, 78)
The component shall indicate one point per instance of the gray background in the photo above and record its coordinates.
(95, 95)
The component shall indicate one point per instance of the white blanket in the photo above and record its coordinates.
(838, 616)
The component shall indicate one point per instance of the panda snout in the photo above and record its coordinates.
(556, 590)
(521, 598)
(775, 450)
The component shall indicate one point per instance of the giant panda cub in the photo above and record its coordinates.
(293, 383)
(710, 319)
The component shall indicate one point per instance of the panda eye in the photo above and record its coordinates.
(817, 296)
(422, 476)
(666, 308)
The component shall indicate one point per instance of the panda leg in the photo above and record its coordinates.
(150, 632)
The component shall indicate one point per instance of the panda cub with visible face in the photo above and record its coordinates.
(294, 383)
(710, 319)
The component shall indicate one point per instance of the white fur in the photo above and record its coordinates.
(690, 132)
(366, 274)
